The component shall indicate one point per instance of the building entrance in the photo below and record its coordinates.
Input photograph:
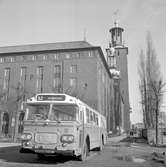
(20, 123)
(5, 124)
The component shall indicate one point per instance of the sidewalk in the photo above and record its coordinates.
(5, 144)
(116, 139)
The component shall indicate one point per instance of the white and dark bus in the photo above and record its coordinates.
(57, 124)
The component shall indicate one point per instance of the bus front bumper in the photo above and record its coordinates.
(47, 151)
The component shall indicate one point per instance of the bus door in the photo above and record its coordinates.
(82, 125)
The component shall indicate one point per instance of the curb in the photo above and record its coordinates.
(9, 149)
(7, 144)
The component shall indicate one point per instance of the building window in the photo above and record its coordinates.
(34, 57)
(39, 81)
(90, 54)
(31, 76)
(73, 68)
(6, 81)
(12, 59)
(39, 56)
(23, 78)
(56, 56)
(67, 55)
(57, 84)
(45, 57)
(24, 58)
(73, 83)
(57, 69)
(6, 78)
(57, 79)
(77, 55)
(23, 74)
(1, 60)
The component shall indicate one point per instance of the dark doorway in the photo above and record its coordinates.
(5, 124)
(20, 123)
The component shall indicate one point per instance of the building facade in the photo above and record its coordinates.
(75, 68)
(162, 120)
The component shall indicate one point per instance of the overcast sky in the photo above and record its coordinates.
(46, 21)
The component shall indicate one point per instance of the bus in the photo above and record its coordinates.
(59, 124)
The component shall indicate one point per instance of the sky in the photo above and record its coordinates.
(49, 21)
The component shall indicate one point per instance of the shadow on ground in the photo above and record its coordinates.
(12, 155)
(135, 140)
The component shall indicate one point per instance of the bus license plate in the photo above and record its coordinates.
(44, 151)
(44, 147)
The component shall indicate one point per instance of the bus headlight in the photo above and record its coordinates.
(67, 138)
(26, 136)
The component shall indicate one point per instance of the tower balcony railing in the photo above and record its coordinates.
(115, 73)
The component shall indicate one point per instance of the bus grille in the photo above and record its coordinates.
(46, 138)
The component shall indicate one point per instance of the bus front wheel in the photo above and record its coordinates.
(84, 152)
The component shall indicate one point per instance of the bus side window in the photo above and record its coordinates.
(102, 123)
(91, 116)
(97, 120)
(94, 117)
(87, 115)
(54, 114)
(81, 116)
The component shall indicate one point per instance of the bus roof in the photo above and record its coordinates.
(57, 98)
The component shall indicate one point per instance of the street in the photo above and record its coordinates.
(114, 154)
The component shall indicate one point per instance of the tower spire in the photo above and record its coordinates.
(84, 38)
(116, 17)
(116, 23)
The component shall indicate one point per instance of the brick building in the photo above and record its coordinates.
(76, 68)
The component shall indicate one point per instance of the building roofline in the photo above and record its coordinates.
(46, 51)
(44, 47)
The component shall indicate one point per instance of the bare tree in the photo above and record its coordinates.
(19, 95)
(157, 87)
(151, 85)
(153, 74)
(143, 88)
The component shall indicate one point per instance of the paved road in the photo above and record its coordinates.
(115, 154)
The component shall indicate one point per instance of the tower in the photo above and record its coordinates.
(116, 35)
(117, 62)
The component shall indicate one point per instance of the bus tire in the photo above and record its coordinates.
(100, 148)
(84, 152)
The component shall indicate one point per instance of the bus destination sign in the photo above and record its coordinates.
(50, 97)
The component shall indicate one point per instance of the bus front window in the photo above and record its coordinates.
(37, 111)
(64, 112)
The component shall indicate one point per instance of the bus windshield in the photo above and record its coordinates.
(37, 111)
(63, 112)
